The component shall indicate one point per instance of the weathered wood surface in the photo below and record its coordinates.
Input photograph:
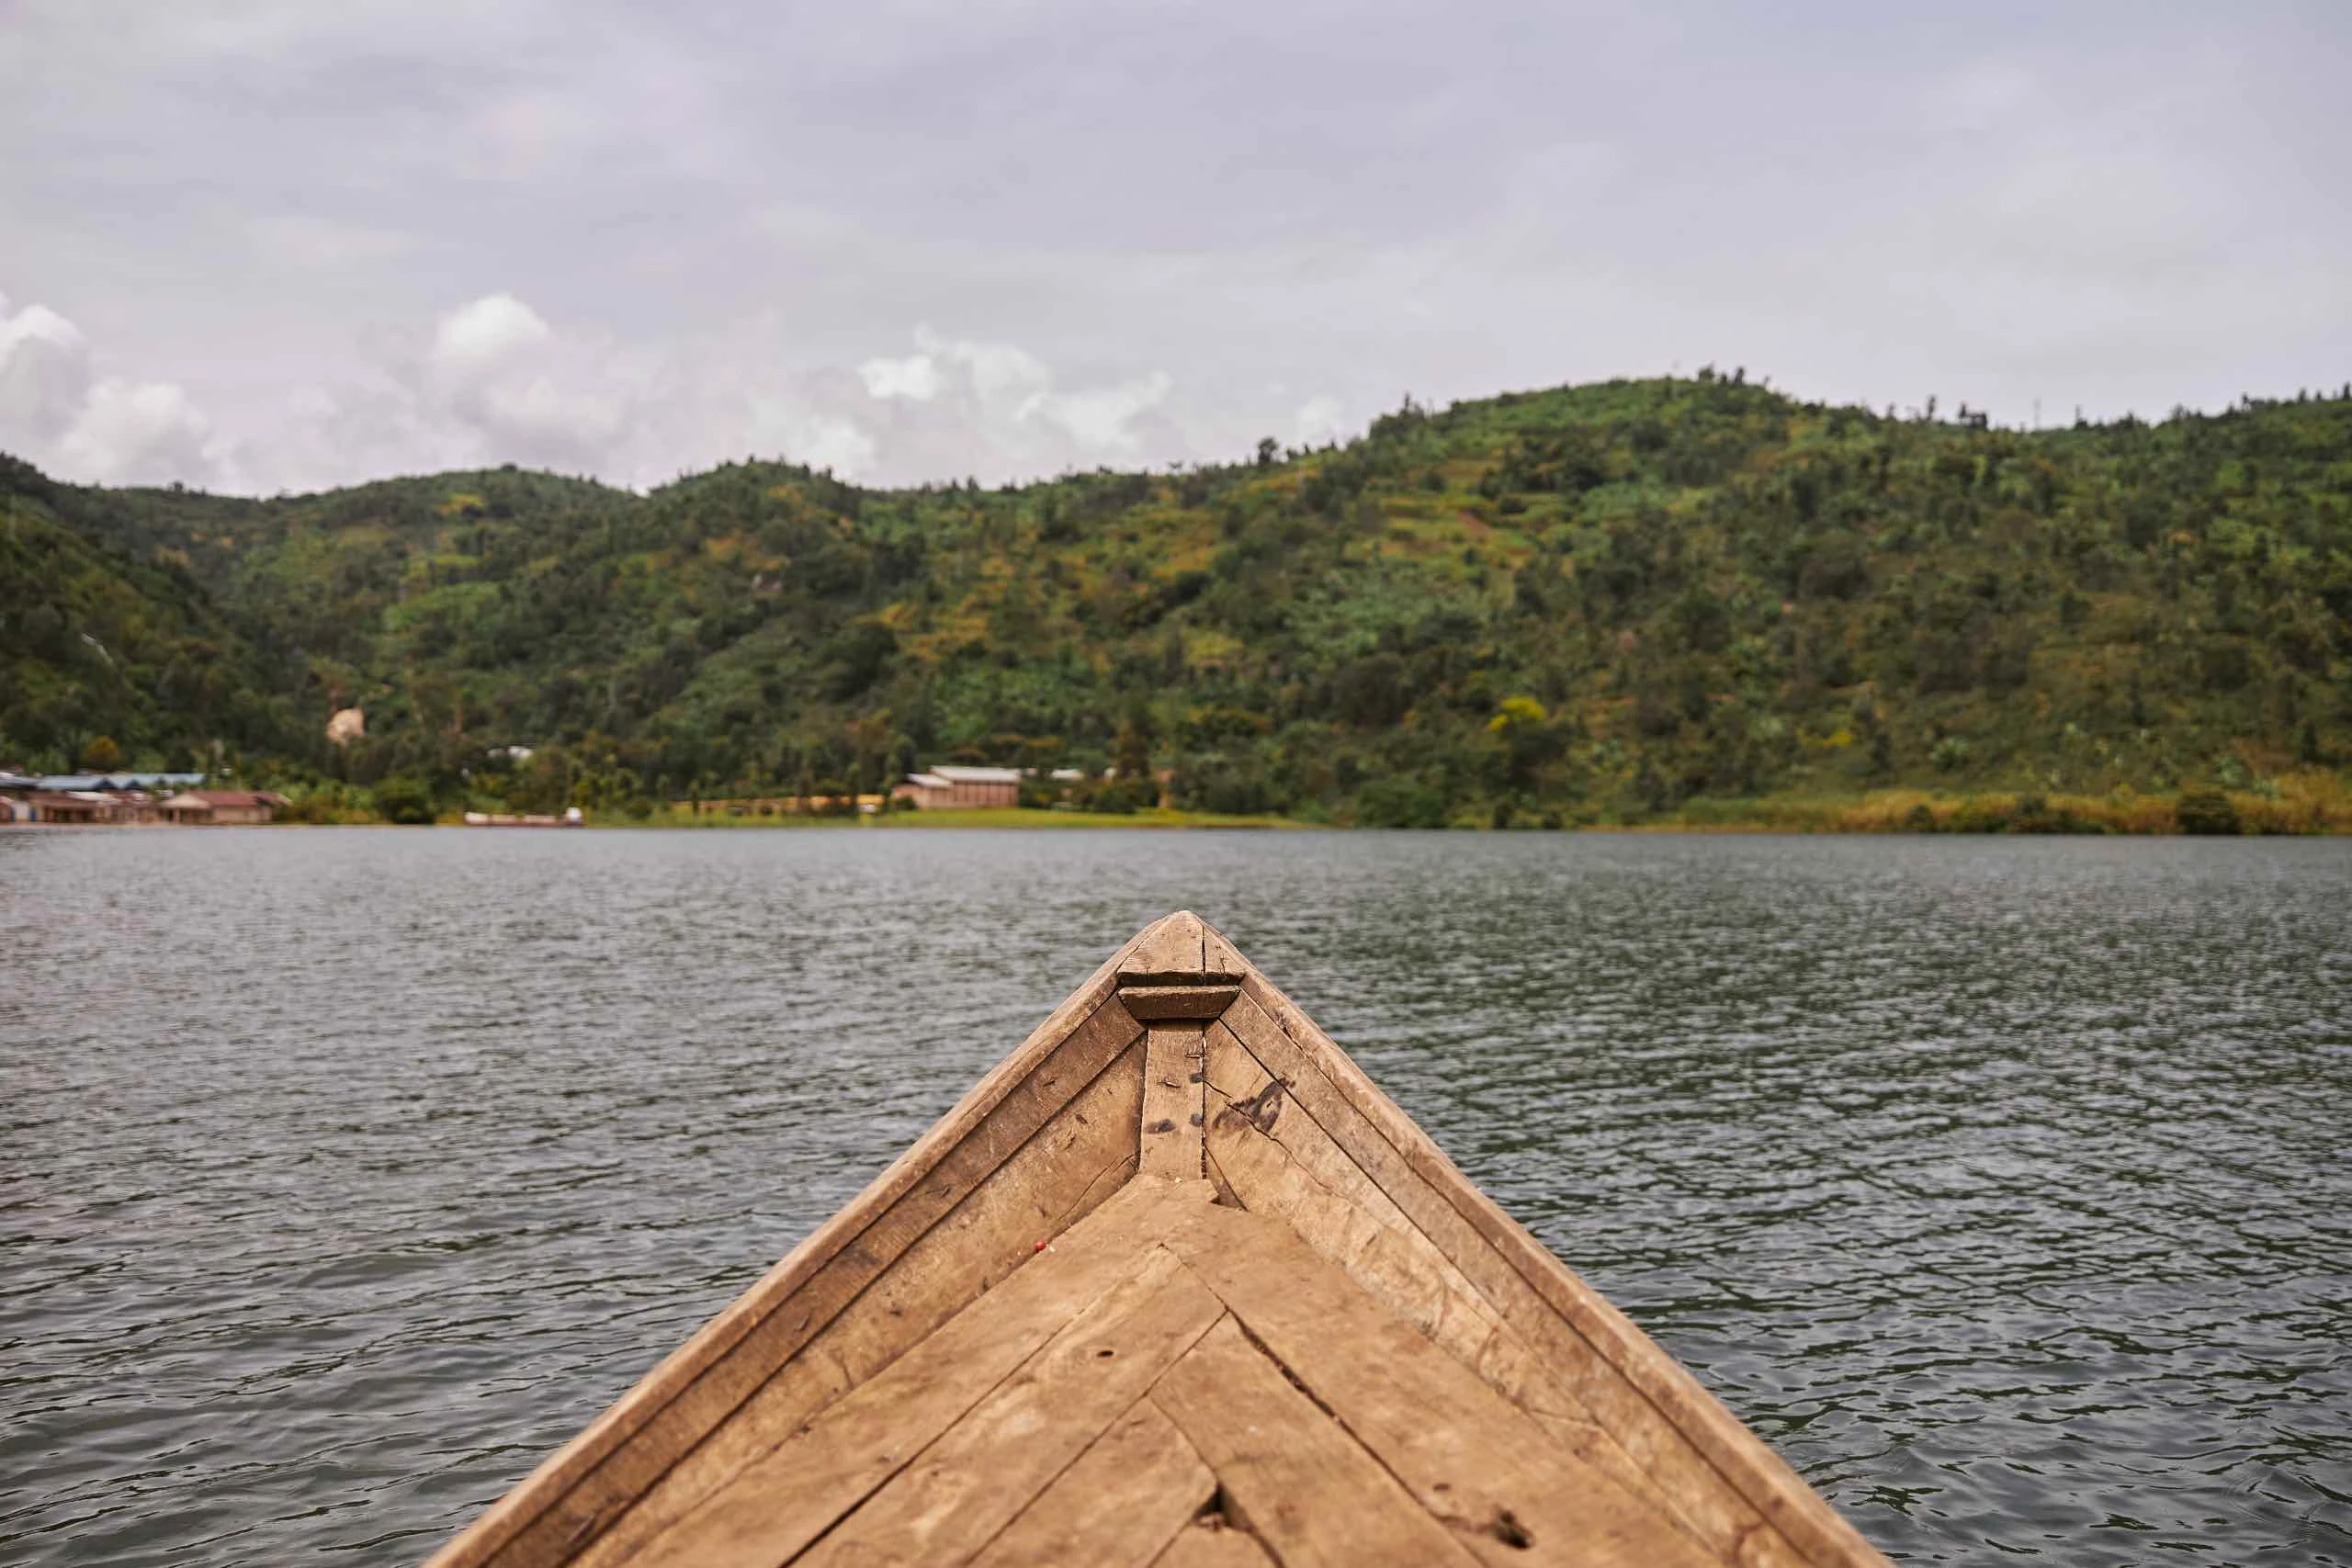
(987, 1467)
(1170, 1135)
(1472, 1460)
(1291, 1476)
(1721, 1515)
(1057, 1176)
(775, 1507)
(1285, 1164)
(1174, 1285)
(1118, 1506)
(1206, 1546)
(588, 1482)
(1197, 1002)
(1168, 949)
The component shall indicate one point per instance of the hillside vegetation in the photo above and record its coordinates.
(1607, 601)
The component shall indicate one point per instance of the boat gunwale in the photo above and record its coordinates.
(555, 1477)
(1749, 1467)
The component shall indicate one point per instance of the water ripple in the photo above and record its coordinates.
(1999, 1184)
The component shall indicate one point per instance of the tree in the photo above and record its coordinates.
(1131, 749)
(405, 801)
(101, 755)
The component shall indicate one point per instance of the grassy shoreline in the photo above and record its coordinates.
(987, 817)
(2306, 805)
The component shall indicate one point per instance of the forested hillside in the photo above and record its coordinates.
(1599, 600)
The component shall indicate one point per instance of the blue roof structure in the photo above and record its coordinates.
(118, 782)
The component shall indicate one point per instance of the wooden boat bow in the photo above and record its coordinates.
(1174, 1284)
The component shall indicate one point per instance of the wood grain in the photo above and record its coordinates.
(564, 1501)
(1170, 1139)
(776, 1505)
(1294, 1479)
(990, 1465)
(1213, 1547)
(1200, 1003)
(1123, 1500)
(1168, 949)
(1471, 1458)
(1746, 1501)
(1219, 956)
(1286, 1165)
(1069, 1165)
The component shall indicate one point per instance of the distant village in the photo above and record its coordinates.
(121, 800)
(181, 800)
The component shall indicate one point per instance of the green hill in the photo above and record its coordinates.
(98, 641)
(1602, 601)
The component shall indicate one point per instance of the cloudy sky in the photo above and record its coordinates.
(265, 245)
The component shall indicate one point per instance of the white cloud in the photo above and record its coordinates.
(495, 380)
(476, 338)
(1141, 221)
(1103, 418)
(44, 374)
(58, 412)
(500, 384)
(785, 429)
(139, 433)
(915, 377)
(996, 408)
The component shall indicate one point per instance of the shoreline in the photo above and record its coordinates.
(2313, 809)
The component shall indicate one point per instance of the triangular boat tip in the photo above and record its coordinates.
(1181, 943)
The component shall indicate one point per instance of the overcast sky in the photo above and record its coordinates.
(290, 243)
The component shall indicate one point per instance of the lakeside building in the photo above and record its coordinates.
(15, 795)
(954, 787)
(222, 808)
(118, 784)
(86, 808)
(117, 800)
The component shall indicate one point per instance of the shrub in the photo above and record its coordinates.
(405, 801)
(1234, 786)
(2207, 812)
(1399, 803)
(1120, 797)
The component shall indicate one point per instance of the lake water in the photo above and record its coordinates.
(2001, 1184)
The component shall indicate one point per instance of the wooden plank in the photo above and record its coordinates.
(1288, 1474)
(1218, 955)
(1151, 1003)
(1168, 948)
(1287, 1165)
(591, 1481)
(1214, 1546)
(1123, 1500)
(1170, 1143)
(1076, 1161)
(572, 1468)
(776, 1504)
(1471, 1458)
(1746, 1502)
(1707, 1503)
(990, 1465)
